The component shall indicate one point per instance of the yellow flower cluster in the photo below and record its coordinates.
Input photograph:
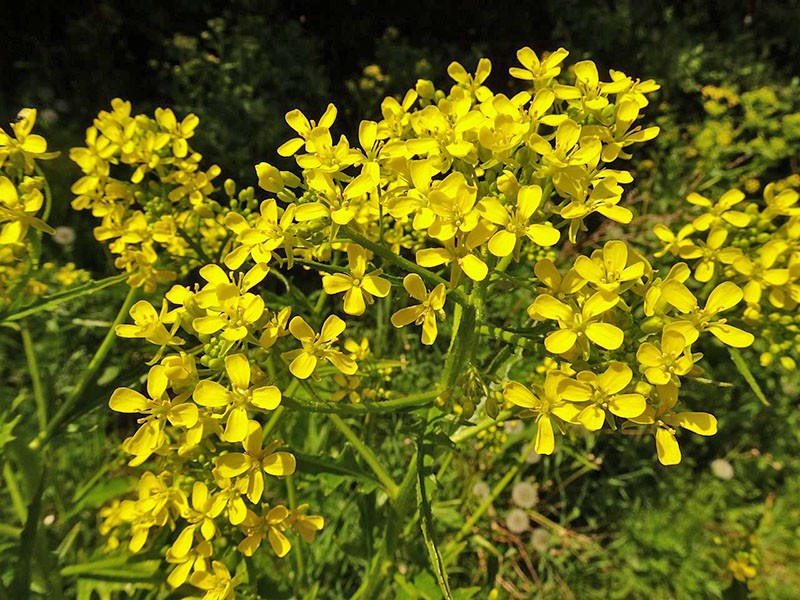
(156, 211)
(23, 192)
(467, 183)
(757, 246)
(593, 305)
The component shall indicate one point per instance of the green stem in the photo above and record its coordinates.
(14, 492)
(504, 336)
(469, 432)
(89, 374)
(392, 489)
(291, 494)
(404, 264)
(48, 195)
(412, 401)
(36, 378)
(201, 254)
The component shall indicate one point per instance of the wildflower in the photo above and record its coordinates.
(723, 297)
(576, 326)
(671, 360)
(722, 469)
(545, 404)
(269, 525)
(602, 393)
(525, 495)
(239, 398)
(359, 287)
(431, 305)
(517, 521)
(217, 583)
(718, 214)
(515, 222)
(316, 347)
(255, 461)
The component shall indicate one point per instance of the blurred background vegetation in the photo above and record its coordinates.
(729, 108)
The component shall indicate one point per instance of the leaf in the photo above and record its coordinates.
(336, 472)
(21, 583)
(116, 569)
(426, 523)
(742, 367)
(49, 302)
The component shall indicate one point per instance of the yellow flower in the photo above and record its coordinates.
(270, 231)
(148, 324)
(196, 559)
(217, 583)
(255, 461)
(666, 363)
(25, 147)
(602, 393)
(576, 326)
(515, 222)
(718, 214)
(673, 242)
(316, 347)
(159, 407)
(546, 403)
(473, 84)
(300, 123)
(18, 214)
(540, 72)
(723, 297)
(306, 526)
(359, 287)
(238, 399)
(665, 422)
(431, 305)
(179, 132)
(711, 252)
(760, 274)
(460, 251)
(271, 526)
(609, 269)
(231, 308)
(200, 515)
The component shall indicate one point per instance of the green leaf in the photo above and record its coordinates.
(335, 472)
(49, 302)
(426, 523)
(21, 583)
(741, 366)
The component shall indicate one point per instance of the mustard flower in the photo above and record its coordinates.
(359, 287)
(316, 347)
(431, 305)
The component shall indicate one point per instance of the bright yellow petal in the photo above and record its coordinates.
(279, 464)
(669, 453)
(545, 439)
(267, 397)
(237, 366)
(561, 341)
(605, 335)
(518, 394)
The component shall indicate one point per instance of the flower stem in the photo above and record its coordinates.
(36, 378)
(392, 489)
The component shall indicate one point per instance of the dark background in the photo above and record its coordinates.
(241, 65)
